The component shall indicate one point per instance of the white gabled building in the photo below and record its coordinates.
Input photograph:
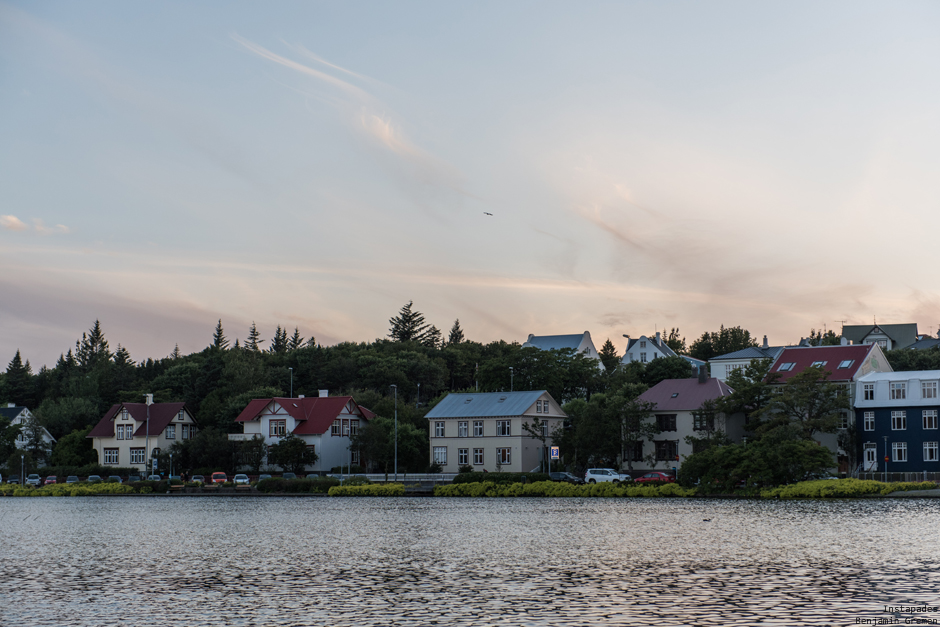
(578, 342)
(20, 415)
(122, 436)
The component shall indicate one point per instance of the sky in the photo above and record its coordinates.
(526, 167)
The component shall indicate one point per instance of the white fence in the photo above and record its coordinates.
(901, 476)
(411, 477)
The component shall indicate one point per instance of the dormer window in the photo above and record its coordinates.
(675, 394)
(819, 364)
(181, 416)
(846, 363)
(786, 367)
(124, 414)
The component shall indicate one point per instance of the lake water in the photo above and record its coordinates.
(157, 561)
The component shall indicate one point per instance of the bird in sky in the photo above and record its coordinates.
(487, 213)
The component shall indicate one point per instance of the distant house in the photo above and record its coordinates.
(722, 366)
(888, 336)
(645, 349)
(579, 343)
(325, 423)
(122, 435)
(896, 417)
(676, 403)
(925, 343)
(845, 364)
(20, 415)
(485, 430)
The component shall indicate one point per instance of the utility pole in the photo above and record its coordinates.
(147, 463)
(395, 387)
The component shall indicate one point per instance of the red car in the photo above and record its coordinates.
(661, 477)
(50, 480)
(219, 477)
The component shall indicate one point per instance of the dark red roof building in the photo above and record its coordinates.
(122, 435)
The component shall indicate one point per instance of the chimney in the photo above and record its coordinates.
(659, 341)
(11, 404)
(531, 335)
(324, 393)
(843, 342)
(300, 396)
(703, 374)
(765, 344)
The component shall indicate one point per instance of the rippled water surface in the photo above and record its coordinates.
(421, 561)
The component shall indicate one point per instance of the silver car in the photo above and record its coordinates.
(601, 475)
(241, 480)
(35, 480)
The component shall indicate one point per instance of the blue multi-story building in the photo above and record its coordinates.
(896, 417)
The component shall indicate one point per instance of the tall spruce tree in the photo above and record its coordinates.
(92, 350)
(456, 333)
(408, 325)
(279, 343)
(295, 341)
(254, 338)
(608, 355)
(218, 338)
(18, 382)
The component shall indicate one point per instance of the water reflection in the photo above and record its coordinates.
(313, 561)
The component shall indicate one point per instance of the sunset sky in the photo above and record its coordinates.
(647, 165)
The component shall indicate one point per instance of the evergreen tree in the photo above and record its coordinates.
(218, 338)
(676, 343)
(432, 338)
(254, 338)
(295, 341)
(456, 333)
(311, 343)
(92, 349)
(176, 352)
(279, 343)
(726, 340)
(608, 355)
(18, 382)
(409, 326)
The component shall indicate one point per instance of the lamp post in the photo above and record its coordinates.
(886, 458)
(147, 465)
(395, 387)
(291, 382)
(22, 469)
(171, 465)
(510, 378)
(418, 400)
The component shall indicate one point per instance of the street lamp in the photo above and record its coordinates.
(886, 457)
(147, 470)
(510, 378)
(291, 382)
(395, 387)
(171, 464)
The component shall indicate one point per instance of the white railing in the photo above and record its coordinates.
(411, 477)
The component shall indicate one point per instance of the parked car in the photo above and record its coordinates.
(219, 477)
(263, 477)
(133, 478)
(241, 479)
(34, 479)
(288, 475)
(14, 479)
(663, 477)
(71, 479)
(566, 477)
(93, 479)
(154, 478)
(600, 475)
(115, 479)
(199, 478)
(51, 479)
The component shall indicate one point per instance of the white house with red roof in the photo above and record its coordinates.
(325, 423)
(845, 364)
(121, 437)
(677, 402)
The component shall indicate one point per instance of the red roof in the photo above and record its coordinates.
(684, 394)
(803, 357)
(314, 415)
(161, 414)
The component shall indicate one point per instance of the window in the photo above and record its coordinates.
(438, 429)
(899, 390)
(538, 407)
(336, 428)
(502, 427)
(463, 456)
(478, 429)
(440, 455)
(666, 450)
(124, 414)
(634, 452)
(137, 456)
(869, 421)
(477, 457)
(843, 420)
(786, 367)
(928, 389)
(355, 457)
(185, 432)
(819, 364)
(346, 428)
(666, 422)
(930, 419)
(353, 427)
(544, 407)
(930, 452)
(899, 451)
(277, 428)
(462, 429)
(504, 455)
(120, 432)
(869, 390)
(181, 416)
(643, 357)
(110, 456)
(898, 420)
(171, 432)
(846, 363)
(675, 395)
(703, 421)
(642, 343)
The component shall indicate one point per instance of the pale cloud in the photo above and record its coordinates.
(12, 223)
(42, 229)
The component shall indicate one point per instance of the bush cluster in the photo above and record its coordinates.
(375, 489)
(500, 477)
(67, 489)
(560, 489)
(297, 486)
(843, 488)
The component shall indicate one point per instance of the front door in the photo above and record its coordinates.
(871, 457)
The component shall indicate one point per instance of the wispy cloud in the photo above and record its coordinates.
(12, 223)
(42, 229)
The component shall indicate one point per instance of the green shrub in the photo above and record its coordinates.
(840, 489)
(500, 477)
(375, 489)
(561, 489)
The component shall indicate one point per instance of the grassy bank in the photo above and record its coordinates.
(842, 489)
